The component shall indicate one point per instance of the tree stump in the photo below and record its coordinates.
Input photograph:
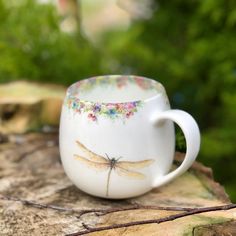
(28, 106)
(36, 198)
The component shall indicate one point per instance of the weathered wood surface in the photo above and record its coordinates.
(31, 170)
(28, 106)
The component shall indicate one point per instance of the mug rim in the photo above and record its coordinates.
(160, 90)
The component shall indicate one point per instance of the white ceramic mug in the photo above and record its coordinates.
(117, 136)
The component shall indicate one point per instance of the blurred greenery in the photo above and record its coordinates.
(188, 45)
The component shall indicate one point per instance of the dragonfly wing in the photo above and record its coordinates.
(128, 173)
(134, 164)
(91, 155)
(95, 165)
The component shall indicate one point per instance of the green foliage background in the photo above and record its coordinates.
(188, 45)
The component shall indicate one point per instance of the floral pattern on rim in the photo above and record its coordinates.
(109, 110)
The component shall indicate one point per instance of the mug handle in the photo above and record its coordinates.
(192, 137)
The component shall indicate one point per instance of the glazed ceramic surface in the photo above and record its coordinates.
(117, 136)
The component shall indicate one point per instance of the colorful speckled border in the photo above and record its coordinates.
(108, 110)
(112, 111)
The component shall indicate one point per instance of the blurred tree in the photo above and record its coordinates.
(32, 46)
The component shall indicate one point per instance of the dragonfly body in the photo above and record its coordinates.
(113, 162)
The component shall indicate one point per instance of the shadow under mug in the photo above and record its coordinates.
(117, 137)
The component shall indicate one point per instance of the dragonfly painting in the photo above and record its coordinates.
(122, 168)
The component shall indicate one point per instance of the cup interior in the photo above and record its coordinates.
(115, 89)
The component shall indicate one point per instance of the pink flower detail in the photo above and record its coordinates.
(119, 107)
(129, 105)
(92, 117)
(128, 114)
(121, 82)
(111, 106)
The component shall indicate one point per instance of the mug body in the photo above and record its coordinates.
(109, 147)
